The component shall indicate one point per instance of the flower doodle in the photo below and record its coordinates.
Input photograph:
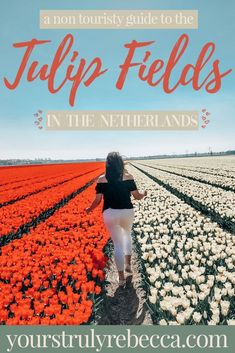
(204, 117)
(38, 119)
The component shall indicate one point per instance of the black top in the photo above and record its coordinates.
(117, 195)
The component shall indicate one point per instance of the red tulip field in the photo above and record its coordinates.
(52, 259)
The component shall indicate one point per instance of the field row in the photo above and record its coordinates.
(226, 183)
(11, 187)
(11, 176)
(13, 216)
(14, 195)
(221, 166)
(218, 204)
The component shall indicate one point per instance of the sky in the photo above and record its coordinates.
(20, 138)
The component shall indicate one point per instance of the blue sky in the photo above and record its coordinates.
(19, 138)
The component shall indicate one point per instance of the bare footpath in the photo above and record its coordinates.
(124, 305)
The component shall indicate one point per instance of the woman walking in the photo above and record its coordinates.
(116, 187)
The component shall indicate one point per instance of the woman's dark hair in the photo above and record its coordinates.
(114, 167)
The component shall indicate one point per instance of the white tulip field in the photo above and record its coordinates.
(184, 235)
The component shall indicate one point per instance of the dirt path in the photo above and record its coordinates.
(124, 305)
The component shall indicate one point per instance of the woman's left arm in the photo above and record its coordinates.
(95, 203)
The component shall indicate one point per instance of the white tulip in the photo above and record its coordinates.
(197, 317)
(180, 318)
(152, 299)
(224, 307)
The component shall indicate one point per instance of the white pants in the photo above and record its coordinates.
(119, 224)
